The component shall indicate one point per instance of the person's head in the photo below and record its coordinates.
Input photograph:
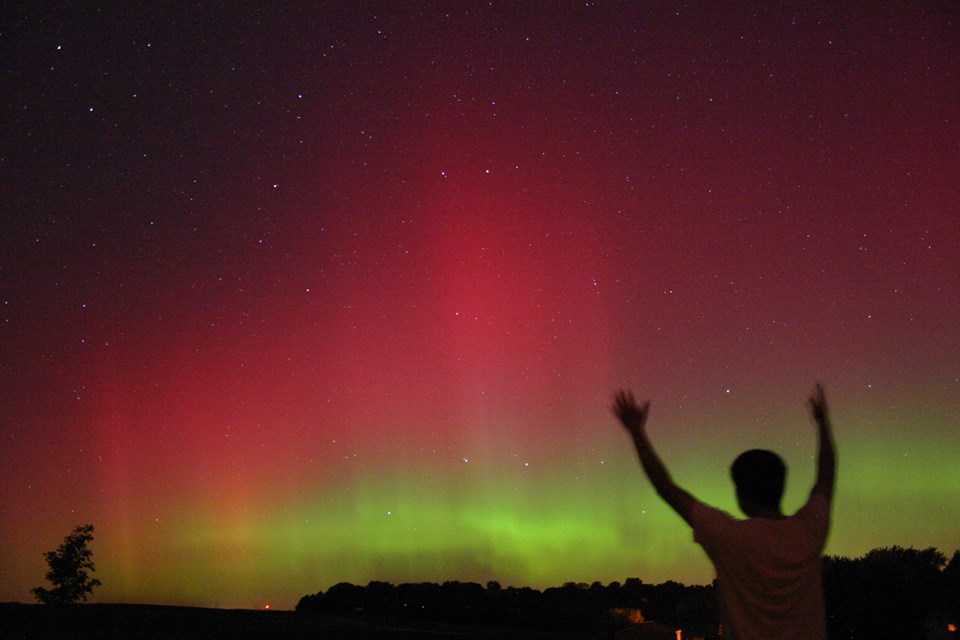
(759, 476)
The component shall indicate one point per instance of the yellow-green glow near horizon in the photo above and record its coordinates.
(569, 522)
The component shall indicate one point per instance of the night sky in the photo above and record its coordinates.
(296, 296)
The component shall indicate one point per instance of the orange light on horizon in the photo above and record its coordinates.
(634, 616)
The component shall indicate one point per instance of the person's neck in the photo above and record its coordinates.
(770, 514)
(754, 510)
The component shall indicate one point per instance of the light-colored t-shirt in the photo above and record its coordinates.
(768, 570)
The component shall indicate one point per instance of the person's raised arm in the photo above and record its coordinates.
(827, 456)
(634, 419)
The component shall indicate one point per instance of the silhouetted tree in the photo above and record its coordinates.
(463, 602)
(343, 597)
(69, 567)
(950, 578)
(310, 603)
(905, 589)
(887, 594)
(380, 597)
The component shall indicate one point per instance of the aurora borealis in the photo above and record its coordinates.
(341, 291)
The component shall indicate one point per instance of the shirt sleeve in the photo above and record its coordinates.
(710, 525)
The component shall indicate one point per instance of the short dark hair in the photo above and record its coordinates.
(760, 476)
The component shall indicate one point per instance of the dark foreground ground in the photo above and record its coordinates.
(149, 622)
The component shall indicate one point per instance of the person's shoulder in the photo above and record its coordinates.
(817, 508)
(711, 525)
(701, 512)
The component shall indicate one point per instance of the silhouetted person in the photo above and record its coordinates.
(768, 566)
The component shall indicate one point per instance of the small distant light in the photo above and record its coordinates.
(266, 606)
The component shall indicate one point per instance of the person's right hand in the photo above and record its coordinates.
(632, 415)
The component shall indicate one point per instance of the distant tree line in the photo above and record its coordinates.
(889, 593)
(573, 607)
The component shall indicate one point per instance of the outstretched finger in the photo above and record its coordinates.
(619, 401)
